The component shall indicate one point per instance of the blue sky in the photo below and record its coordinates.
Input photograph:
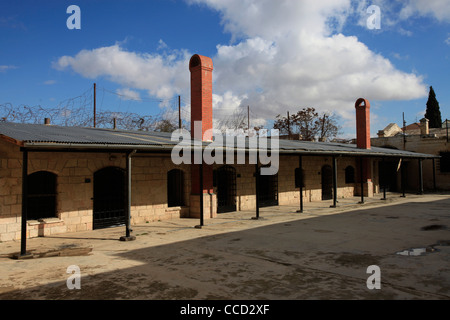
(275, 56)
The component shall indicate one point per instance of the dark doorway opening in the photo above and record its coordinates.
(327, 182)
(225, 181)
(109, 198)
(175, 188)
(268, 190)
(387, 175)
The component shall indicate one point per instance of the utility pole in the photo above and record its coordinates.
(95, 98)
(179, 112)
(289, 126)
(404, 132)
(248, 118)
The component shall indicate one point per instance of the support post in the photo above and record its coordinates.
(434, 175)
(334, 183)
(257, 190)
(95, 105)
(128, 236)
(361, 174)
(23, 237)
(420, 177)
(202, 221)
(384, 179)
(300, 166)
(402, 168)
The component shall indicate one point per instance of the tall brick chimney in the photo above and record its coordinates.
(201, 68)
(362, 107)
(201, 94)
(362, 123)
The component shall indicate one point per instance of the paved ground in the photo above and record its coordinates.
(322, 253)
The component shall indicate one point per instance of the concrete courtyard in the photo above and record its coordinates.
(321, 254)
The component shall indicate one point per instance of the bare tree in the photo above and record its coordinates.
(309, 124)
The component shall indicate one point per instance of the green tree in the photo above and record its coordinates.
(433, 112)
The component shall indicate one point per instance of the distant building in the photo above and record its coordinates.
(418, 137)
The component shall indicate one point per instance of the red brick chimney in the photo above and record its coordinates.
(363, 142)
(201, 94)
(201, 68)
(362, 123)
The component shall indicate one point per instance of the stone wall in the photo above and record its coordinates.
(75, 172)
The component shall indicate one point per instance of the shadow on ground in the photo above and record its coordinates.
(322, 257)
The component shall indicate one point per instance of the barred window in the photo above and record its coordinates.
(349, 174)
(41, 201)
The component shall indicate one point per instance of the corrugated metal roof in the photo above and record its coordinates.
(52, 137)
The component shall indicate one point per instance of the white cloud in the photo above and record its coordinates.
(4, 68)
(127, 94)
(285, 55)
(160, 75)
(49, 82)
(439, 9)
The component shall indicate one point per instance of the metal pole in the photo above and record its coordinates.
(446, 125)
(361, 173)
(420, 177)
(179, 112)
(257, 190)
(384, 180)
(403, 180)
(23, 238)
(128, 236)
(434, 175)
(95, 104)
(201, 194)
(248, 118)
(334, 183)
(289, 126)
(300, 166)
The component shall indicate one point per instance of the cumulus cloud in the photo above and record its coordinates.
(160, 75)
(439, 9)
(284, 55)
(128, 94)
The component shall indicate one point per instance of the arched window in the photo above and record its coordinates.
(175, 188)
(349, 174)
(41, 200)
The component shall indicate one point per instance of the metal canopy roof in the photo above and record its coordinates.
(49, 137)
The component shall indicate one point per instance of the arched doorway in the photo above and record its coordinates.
(268, 190)
(109, 198)
(226, 189)
(327, 182)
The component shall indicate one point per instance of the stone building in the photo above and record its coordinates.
(418, 137)
(66, 179)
